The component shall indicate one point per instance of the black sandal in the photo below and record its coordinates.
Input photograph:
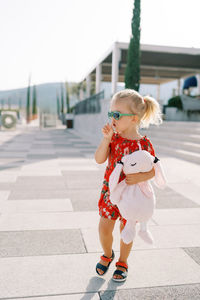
(120, 272)
(102, 267)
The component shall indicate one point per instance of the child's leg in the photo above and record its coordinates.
(106, 227)
(125, 250)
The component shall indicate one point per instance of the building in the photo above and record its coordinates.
(163, 70)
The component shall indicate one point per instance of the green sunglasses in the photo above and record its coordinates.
(117, 115)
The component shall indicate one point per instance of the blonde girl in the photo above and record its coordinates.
(129, 111)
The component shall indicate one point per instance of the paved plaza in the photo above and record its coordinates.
(49, 189)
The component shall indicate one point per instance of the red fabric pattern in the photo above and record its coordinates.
(119, 147)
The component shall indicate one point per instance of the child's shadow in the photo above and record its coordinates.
(95, 284)
(111, 289)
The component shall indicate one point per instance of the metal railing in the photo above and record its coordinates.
(90, 105)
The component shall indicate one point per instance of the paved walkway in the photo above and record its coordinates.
(49, 188)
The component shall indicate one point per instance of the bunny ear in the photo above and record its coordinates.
(114, 177)
(160, 178)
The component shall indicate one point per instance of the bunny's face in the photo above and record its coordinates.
(138, 161)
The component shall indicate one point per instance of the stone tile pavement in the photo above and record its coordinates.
(49, 189)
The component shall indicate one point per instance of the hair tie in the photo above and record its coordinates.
(144, 100)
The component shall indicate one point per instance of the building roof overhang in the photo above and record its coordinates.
(159, 64)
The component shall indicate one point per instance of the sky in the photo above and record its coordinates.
(61, 40)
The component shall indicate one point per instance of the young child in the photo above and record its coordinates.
(129, 112)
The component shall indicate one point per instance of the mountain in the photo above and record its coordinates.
(46, 96)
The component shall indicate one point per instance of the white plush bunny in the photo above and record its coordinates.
(136, 202)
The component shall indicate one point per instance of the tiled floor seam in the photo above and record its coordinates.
(48, 295)
(98, 252)
(84, 243)
(143, 289)
(157, 286)
(191, 255)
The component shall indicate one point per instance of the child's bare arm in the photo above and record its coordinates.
(103, 150)
(139, 177)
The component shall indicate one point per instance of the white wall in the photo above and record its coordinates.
(148, 89)
(106, 86)
(90, 125)
(173, 114)
(166, 89)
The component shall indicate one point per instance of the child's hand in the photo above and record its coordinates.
(135, 178)
(107, 131)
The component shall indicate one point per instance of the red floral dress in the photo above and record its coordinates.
(119, 147)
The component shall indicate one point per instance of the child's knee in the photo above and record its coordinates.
(106, 226)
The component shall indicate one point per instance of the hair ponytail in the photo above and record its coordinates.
(152, 113)
(146, 108)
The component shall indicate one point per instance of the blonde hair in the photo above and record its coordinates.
(146, 108)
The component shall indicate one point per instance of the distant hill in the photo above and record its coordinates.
(46, 96)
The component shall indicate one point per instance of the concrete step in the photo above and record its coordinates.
(177, 139)
(172, 135)
(180, 124)
(166, 129)
(181, 145)
(179, 153)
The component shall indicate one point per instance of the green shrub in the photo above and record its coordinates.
(175, 102)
